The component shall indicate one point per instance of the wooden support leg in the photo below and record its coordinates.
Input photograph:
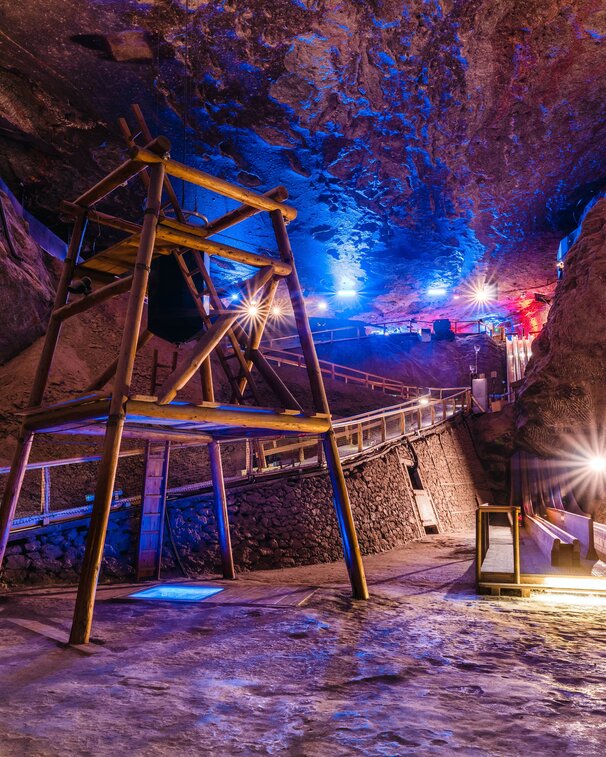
(24, 442)
(351, 548)
(216, 469)
(13, 487)
(347, 527)
(83, 613)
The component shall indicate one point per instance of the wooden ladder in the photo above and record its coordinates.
(153, 496)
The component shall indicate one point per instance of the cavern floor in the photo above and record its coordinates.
(425, 667)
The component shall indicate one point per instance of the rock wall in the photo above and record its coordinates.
(564, 392)
(26, 284)
(280, 523)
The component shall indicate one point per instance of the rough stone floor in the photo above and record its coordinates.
(425, 667)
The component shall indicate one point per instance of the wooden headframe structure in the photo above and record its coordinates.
(117, 413)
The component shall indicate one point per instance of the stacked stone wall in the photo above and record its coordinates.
(276, 523)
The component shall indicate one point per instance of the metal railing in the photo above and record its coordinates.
(355, 435)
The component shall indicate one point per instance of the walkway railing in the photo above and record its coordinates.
(364, 330)
(354, 376)
(355, 435)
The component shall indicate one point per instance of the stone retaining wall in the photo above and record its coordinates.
(279, 523)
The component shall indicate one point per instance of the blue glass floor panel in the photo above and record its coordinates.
(177, 593)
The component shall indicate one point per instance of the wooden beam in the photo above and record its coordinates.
(202, 347)
(215, 301)
(222, 187)
(221, 512)
(147, 136)
(241, 213)
(351, 548)
(83, 613)
(231, 415)
(160, 146)
(189, 237)
(95, 298)
(176, 234)
(196, 355)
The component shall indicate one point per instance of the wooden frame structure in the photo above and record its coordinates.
(118, 413)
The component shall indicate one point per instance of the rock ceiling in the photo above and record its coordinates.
(424, 143)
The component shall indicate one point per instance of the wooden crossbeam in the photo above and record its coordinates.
(122, 174)
(196, 355)
(222, 187)
(169, 234)
(88, 301)
(234, 416)
(202, 347)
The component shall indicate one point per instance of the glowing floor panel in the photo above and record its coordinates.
(176, 593)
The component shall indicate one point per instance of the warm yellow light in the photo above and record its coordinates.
(276, 311)
(597, 464)
(252, 310)
(570, 583)
(424, 401)
(580, 600)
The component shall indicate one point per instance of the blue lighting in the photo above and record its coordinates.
(347, 293)
(176, 593)
(436, 291)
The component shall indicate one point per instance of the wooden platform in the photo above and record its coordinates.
(146, 418)
(537, 573)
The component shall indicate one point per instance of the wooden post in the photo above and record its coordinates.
(351, 548)
(83, 613)
(216, 470)
(516, 545)
(26, 437)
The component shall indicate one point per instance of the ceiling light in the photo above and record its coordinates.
(347, 293)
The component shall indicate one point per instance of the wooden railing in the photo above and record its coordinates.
(355, 435)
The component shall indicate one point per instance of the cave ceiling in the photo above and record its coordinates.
(424, 144)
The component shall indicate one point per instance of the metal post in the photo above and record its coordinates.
(221, 513)
(83, 613)
(351, 548)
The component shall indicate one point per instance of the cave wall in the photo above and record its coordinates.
(26, 283)
(282, 523)
(563, 395)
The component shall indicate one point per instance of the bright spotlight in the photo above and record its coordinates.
(597, 464)
(436, 291)
(347, 293)
(322, 305)
(252, 310)
(424, 401)
(276, 311)
(482, 293)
